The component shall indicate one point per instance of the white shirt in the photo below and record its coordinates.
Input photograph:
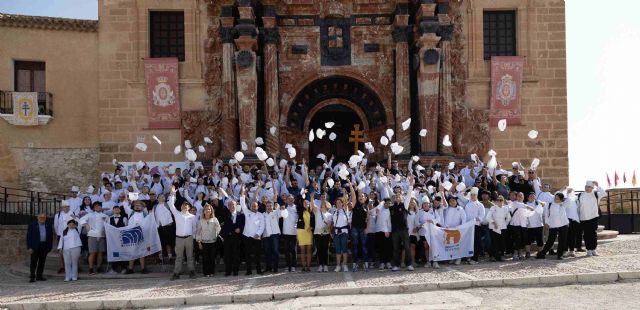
(588, 204)
(253, 221)
(322, 222)
(383, 219)
(535, 220)
(70, 241)
(185, 221)
(411, 223)
(271, 226)
(424, 217)
(555, 215)
(163, 214)
(290, 224)
(74, 204)
(342, 218)
(546, 197)
(135, 219)
(454, 217)
(572, 209)
(498, 218)
(474, 210)
(519, 214)
(60, 221)
(96, 221)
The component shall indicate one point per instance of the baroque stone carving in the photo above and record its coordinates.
(471, 130)
(431, 56)
(199, 124)
(459, 71)
(244, 59)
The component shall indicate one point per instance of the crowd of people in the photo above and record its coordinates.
(369, 215)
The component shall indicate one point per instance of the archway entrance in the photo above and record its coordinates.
(346, 121)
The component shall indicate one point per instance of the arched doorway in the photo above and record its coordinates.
(346, 101)
(347, 118)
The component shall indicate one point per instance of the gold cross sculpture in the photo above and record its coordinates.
(357, 137)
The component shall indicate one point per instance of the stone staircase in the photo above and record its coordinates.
(606, 234)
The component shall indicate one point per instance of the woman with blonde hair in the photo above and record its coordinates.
(207, 231)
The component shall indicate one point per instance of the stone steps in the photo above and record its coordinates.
(607, 234)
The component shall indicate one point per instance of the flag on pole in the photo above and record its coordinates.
(633, 180)
(615, 178)
(608, 180)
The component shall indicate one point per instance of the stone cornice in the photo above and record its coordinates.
(48, 23)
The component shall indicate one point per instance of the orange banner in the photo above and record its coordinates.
(163, 97)
(506, 89)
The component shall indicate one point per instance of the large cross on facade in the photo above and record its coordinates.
(357, 137)
(26, 108)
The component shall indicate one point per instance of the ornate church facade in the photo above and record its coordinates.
(246, 67)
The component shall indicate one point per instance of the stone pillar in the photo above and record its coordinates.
(446, 105)
(428, 76)
(229, 126)
(272, 102)
(403, 102)
(247, 76)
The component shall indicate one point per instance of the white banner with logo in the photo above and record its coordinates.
(450, 243)
(129, 243)
(25, 108)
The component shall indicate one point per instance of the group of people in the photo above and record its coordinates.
(376, 213)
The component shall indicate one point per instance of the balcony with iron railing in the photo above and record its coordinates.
(45, 103)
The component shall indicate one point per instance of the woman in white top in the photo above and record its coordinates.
(498, 218)
(340, 223)
(555, 216)
(321, 232)
(207, 230)
(425, 217)
(520, 213)
(70, 245)
(535, 223)
(412, 229)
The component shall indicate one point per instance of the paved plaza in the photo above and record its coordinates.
(618, 261)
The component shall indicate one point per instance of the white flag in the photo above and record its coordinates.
(450, 243)
(129, 243)
(25, 108)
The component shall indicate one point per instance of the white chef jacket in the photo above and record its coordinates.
(499, 216)
(535, 219)
(70, 241)
(185, 221)
(572, 209)
(474, 211)
(290, 224)
(588, 205)
(60, 221)
(162, 214)
(454, 217)
(271, 226)
(555, 215)
(96, 221)
(383, 219)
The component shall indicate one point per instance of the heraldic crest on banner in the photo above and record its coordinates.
(163, 96)
(507, 90)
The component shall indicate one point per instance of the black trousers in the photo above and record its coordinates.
(561, 234)
(38, 258)
(507, 240)
(253, 253)
(535, 235)
(208, 258)
(589, 228)
(497, 244)
(572, 235)
(400, 241)
(232, 253)
(322, 248)
(290, 250)
(478, 232)
(386, 247)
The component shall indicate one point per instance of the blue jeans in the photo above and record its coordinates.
(340, 242)
(271, 246)
(359, 244)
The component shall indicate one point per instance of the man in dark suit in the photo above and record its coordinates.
(231, 232)
(39, 241)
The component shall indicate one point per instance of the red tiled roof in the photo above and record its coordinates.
(51, 23)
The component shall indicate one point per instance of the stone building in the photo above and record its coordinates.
(247, 66)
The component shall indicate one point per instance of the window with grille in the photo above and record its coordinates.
(166, 34)
(499, 29)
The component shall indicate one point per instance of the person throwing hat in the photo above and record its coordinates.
(588, 207)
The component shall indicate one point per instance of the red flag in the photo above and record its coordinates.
(624, 177)
(633, 180)
(615, 178)
(608, 180)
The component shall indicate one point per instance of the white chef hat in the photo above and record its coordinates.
(64, 203)
(589, 184)
(75, 189)
(474, 191)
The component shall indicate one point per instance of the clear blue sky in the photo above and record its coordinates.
(603, 59)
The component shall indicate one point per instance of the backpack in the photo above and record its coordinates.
(595, 193)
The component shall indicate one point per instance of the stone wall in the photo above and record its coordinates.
(14, 243)
(56, 170)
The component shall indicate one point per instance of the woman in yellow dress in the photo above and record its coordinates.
(306, 223)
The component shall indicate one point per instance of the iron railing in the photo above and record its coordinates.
(19, 206)
(45, 103)
(620, 210)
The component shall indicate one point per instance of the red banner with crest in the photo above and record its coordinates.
(506, 89)
(163, 97)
